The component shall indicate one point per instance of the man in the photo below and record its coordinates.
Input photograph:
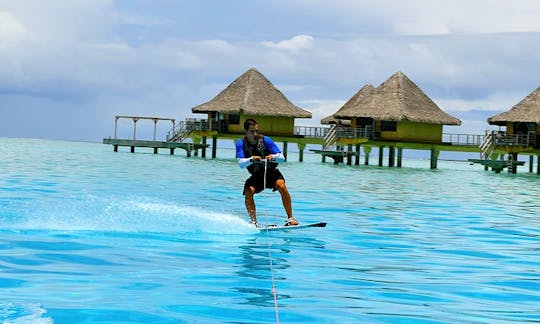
(252, 152)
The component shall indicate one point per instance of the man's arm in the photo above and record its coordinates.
(243, 162)
(275, 152)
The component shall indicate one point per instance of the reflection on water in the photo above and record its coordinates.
(257, 265)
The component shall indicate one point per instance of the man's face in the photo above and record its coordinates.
(252, 133)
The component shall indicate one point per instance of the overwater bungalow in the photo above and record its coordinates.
(397, 110)
(519, 133)
(396, 114)
(522, 122)
(251, 95)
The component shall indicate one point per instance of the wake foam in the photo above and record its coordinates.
(130, 215)
(21, 313)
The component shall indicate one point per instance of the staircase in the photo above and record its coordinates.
(178, 135)
(181, 131)
(487, 147)
(330, 138)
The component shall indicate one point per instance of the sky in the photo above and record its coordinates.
(67, 67)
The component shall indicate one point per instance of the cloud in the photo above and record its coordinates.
(427, 17)
(104, 57)
(295, 43)
(11, 29)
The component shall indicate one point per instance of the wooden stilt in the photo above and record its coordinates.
(367, 150)
(214, 146)
(203, 149)
(301, 147)
(434, 158)
(391, 156)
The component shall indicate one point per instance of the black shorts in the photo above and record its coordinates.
(257, 180)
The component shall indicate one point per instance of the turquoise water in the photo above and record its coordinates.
(88, 235)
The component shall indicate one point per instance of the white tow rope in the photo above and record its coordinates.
(274, 290)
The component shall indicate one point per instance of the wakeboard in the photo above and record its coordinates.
(273, 227)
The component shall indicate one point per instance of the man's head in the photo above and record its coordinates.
(252, 130)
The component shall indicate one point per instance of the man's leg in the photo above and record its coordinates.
(250, 203)
(286, 200)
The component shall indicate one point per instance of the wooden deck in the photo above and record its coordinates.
(132, 144)
(341, 144)
(498, 165)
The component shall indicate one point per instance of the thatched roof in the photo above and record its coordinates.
(526, 111)
(252, 94)
(351, 107)
(329, 120)
(397, 99)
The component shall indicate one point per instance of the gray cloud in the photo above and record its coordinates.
(89, 60)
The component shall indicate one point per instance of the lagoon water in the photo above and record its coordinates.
(88, 236)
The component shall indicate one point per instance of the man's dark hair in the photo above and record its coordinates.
(249, 122)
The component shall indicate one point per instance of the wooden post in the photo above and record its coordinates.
(135, 119)
(349, 151)
(155, 126)
(132, 149)
(203, 149)
(367, 150)
(115, 148)
(434, 157)
(301, 147)
(357, 155)
(399, 156)
(172, 150)
(538, 164)
(195, 151)
(531, 161)
(214, 146)
(391, 156)
(285, 150)
(155, 150)
(514, 164)
(115, 127)
(381, 152)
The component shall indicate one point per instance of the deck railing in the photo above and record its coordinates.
(356, 132)
(309, 131)
(463, 139)
(501, 138)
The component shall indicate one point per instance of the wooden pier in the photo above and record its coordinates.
(171, 146)
(347, 148)
(154, 144)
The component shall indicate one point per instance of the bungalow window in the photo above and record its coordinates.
(388, 126)
(234, 119)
